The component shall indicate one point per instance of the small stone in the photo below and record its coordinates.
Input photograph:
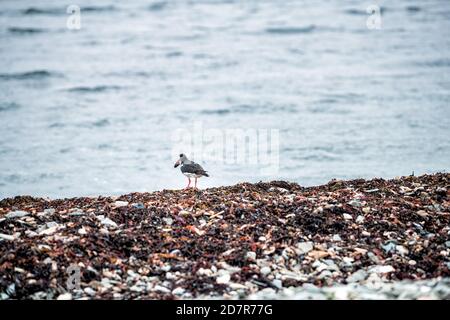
(401, 250)
(318, 254)
(325, 274)
(184, 213)
(348, 260)
(288, 253)
(357, 276)
(136, 288)
(282, 190)
(6, 237)
(49, 228)
(119, 204)
(336, 238)
(65, 296)
(265, 270)
(16, 214)
(366, 210)
(447, 244)
(77, 212)
(237, 286)
(277, 283)
(347, 216)
(204, 272)
(138, 206)
(171, 276)
(49, 211)
(47, 260)
(131, 274)
(422, 213)
(331, 265)
(107, 221)
(161, 289)
(304, 247)
(359, 219)
(319, 266)
(11, 289)
(223, 279)
(412, 262)
(318, 210)
(251, 255)
(168, 220)
(355, 203)
(82, 231)
(89, 291)
(381, 269)
(365, 233)
(389, 246)
(166, 267)
(178, 291)
(404, 189)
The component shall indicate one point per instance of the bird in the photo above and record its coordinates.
(190, 169)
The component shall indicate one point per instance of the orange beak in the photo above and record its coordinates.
(177, 164)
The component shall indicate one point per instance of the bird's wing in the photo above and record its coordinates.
(193, 168)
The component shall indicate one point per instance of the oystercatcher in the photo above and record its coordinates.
(190, 169)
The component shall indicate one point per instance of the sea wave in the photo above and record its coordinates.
(40, 11)
(25, 30)
(413, 8)
(249, 109)
(290, 30)
(9, 106)
(94, 89)
(157, 6)
(98, 8)
(29, 75)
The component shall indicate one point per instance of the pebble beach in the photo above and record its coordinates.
(358, 239)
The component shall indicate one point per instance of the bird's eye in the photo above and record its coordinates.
(181, 155)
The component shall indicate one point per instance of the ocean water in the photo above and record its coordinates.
(94, 111)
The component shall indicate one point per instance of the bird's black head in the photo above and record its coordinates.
(180, 161)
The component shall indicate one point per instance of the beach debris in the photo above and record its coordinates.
(6, 237)
(242, 241)
(106, 221)
(119, 204)
(304, 247)
(64, 296)
(16, 214)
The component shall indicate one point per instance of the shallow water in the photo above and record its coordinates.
(93, 111)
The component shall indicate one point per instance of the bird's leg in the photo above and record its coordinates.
(189, 179)
(195, 183)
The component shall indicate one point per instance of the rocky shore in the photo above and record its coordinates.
(344, 240)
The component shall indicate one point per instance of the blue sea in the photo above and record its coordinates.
(93, 111)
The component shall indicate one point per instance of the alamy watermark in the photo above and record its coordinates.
(373, 22)
(74, 20)
(73, 281)
(243, 147)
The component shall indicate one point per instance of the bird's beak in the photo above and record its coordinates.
(177, 164)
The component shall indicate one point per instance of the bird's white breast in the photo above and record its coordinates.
(192, 175)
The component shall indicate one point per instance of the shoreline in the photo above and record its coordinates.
(229, 242)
